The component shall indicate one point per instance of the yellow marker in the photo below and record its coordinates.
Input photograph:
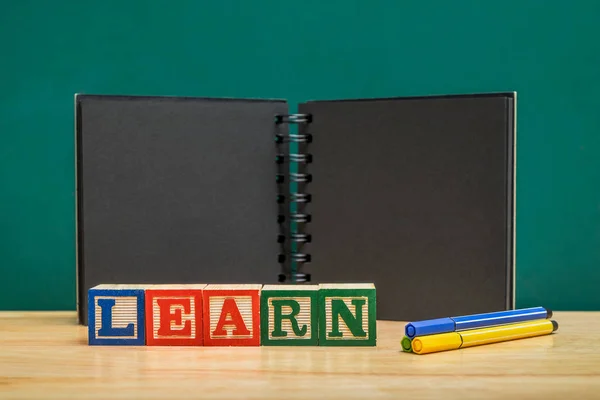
(476, 337)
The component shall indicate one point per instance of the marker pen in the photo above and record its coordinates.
(477, 337)
(454, 324)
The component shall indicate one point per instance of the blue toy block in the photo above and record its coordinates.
(116, 315)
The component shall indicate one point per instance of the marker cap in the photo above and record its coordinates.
(435, 343)
(429, 327)
(406, 345)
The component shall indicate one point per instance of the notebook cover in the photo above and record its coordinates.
(176, 190)
(416, 195)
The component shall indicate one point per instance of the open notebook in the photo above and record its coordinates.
(413, 194)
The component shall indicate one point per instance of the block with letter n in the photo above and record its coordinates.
(347, 314)
(288, 315)
(174, 315)
(231, 315)
(116, 315)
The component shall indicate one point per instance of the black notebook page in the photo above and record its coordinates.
(176, 190)
(416, 196)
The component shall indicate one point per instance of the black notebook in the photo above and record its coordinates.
(413, 194)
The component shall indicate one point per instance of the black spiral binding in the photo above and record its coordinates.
(294, 240)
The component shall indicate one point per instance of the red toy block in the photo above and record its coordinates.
(174, 315)
(232, 315)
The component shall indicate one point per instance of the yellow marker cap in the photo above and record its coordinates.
(435, 343)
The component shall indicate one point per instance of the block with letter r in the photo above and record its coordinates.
(347, 314)
(174, 315)
(116, 315)
(289, 315)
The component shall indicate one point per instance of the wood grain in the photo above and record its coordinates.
(46, 356)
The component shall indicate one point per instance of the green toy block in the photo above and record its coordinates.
(289, 315)
(347, 314)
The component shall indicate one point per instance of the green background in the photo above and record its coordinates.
(548, 51)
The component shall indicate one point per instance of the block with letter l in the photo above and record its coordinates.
(231, 315)
(174, 315)
(347, 314)
(116, 315)
(289, 315)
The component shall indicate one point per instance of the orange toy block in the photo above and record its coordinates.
(232, 315)
(174, 315)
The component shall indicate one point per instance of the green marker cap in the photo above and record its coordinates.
(406, 344)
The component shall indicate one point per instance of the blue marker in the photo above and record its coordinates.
(445, 325)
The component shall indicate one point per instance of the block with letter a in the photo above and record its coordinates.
(116, 315)
(231, 315)
(289, 315)
(347, 315)
(174, 315)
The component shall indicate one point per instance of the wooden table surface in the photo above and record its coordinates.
(45, 355)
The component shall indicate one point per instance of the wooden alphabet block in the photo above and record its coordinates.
(347, 315)
(116, 315)
(232, 315)
(288, 315)
(174, 315)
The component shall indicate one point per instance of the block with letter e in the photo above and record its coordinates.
(289, 315)
(116, 315)
(174, 315)
(231, 315)
(347, 314)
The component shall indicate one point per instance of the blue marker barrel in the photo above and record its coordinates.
(501, 318)
(445, 325)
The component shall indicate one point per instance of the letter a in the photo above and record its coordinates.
(230, 316)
